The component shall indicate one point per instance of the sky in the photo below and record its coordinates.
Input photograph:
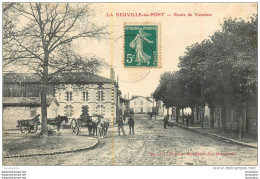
(177, 32)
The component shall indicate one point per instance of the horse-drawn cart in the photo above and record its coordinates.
(57, 121)
(93, 123)
(83, 121)
(30, 125)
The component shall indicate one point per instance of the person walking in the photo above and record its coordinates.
(165, 121)
(120, 125)
(131, 124)
(188, 120)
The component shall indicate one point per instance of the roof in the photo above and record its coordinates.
(81, 77)
(147, 98)
(27, 101)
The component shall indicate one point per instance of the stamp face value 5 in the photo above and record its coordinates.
(141, 46)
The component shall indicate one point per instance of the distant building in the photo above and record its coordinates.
(123, 106)
(140, 104)
(75, 94)
(159, 108)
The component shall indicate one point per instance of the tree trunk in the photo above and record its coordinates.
(243, 128)
(219, 116)
(223, 119)
(173, 115)
(167, 111)
(212, 120)
(177, 114)
(197, 113)
(240, 121)
(182, 112)
(44, 87)
(202, 116)
(247, 117)
(162, 111)
(192, 116)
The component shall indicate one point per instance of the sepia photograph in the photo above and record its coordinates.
(129, 84)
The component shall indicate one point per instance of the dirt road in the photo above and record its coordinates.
(151, 145)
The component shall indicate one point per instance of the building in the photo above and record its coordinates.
(75, 93)
(18, 108)
(124, 108)
(140, 104)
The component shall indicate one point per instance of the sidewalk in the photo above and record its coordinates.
(17, 144)
(230, 136)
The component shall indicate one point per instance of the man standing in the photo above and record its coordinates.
(120, 125)
(131, 124)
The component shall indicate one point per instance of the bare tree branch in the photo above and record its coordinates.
(38, 36)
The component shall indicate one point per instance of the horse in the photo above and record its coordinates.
(89, 124)
(57, 121)
(95, 122)
(103, 128)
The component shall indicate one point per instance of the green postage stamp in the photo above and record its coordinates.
(141, 45)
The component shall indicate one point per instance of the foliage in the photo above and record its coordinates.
(219, 71)
(41, 37)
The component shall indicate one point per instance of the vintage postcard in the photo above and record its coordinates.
(130, 84)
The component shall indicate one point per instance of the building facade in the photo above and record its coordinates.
(86, 99)
(75, 93)
(140, 104)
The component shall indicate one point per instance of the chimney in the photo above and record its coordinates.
(112, 74)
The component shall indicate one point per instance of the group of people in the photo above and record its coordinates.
(131, 124)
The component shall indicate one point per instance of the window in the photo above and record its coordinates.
(68, 110)
(33, 111)
(85, 96)
(100, 95)
(69, 96)
(142, 103)
(85, 110)
(100, 110)
(100, 86)
(135, 103)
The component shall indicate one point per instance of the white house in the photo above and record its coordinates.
(140, 104)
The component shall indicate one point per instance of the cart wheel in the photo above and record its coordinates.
(22, 129)
(74, 126)
(33, 129)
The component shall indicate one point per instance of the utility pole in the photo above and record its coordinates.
(117, 100)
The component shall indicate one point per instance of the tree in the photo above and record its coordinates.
(192, 69)
(43, 41)
(220, 72)
(9, 25)
(235, 50)
(161, 92)
(177, 93)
